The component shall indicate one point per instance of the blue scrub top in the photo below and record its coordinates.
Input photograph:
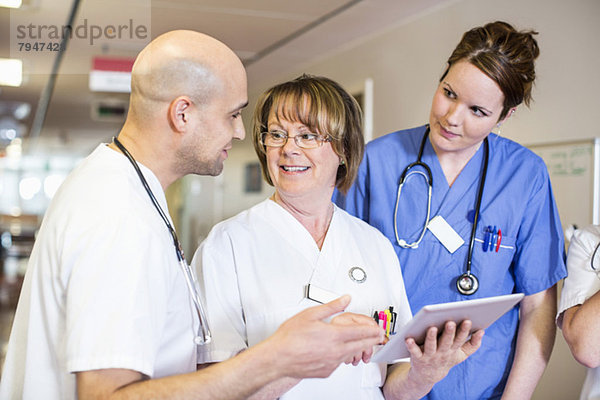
(517, 199)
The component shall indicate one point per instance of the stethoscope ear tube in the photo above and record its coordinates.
(205, 336)
(402, 242)
(429, 178)
(410, 166)
(593, 262)
(473, 288)
(467, 283)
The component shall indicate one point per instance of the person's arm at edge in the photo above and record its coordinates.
(579, 326)
(535, 339)
(320, 348)
(579, 316)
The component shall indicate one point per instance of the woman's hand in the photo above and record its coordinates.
(431, 362)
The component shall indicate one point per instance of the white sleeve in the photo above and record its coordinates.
(215, 264)
(116, 295)
(582, 281)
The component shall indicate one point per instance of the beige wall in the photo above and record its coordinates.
(405, 63)
(208, 200)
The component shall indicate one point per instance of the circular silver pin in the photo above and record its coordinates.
(357, 274)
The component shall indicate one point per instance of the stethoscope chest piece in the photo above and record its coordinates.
(467, 284)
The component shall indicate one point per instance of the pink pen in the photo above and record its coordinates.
(383, 319)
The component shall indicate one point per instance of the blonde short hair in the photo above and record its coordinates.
(325, 108)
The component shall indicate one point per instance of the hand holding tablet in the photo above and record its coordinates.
(481, 312)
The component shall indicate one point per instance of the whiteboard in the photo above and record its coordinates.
(574, 169)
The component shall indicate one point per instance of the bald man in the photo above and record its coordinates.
(104, 310)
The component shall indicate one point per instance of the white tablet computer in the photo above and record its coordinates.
(482, 312)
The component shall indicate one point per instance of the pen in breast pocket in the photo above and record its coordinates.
(386, 320)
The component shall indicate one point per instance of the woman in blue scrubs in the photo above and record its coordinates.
(490, 197)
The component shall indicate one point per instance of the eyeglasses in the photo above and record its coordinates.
(304, 140)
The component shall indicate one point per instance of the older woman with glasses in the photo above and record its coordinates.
(297, 248)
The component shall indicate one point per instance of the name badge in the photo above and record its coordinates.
(445, 233)
(319, 295)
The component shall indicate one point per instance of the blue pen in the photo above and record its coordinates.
(486, 239)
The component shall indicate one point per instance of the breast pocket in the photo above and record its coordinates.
(490, 241)
(260, 325)
(492, 264)
(496, 235)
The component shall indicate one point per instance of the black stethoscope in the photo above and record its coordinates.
(204, 335)
(466, 283)
(595, 260)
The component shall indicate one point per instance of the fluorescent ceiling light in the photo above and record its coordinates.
(11, 72)
(11, 3)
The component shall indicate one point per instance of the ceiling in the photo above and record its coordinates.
(270, 36)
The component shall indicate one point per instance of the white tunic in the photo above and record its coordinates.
(255, 266)
(581, 284)
(103, 287)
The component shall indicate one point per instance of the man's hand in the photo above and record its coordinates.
(354, 320)
(305, 346)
